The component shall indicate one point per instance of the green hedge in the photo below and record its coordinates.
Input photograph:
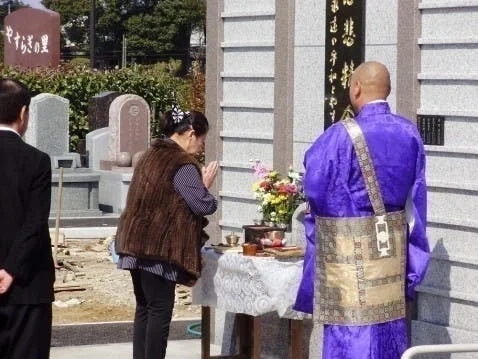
(157, 84)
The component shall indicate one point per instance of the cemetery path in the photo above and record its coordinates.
(89, 287)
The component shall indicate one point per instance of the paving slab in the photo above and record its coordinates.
(177, 349)
(84, 334)
(82, 222)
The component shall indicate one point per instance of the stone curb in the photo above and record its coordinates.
(111, 332)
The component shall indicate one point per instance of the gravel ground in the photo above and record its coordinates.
(89, 287)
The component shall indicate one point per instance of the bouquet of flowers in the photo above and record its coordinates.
(277, 196)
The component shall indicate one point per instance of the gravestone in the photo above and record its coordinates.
(129, 123)
(32, 38)
(48, 124)
(128, 131)
(98, 109)
(97, 143)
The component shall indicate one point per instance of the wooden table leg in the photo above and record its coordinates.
(248, 332)
(243, 331)
(205, 332)
(255, 335)
(206, 336)
(296, 335)
(249, 335)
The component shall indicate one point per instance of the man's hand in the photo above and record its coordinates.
(6, 281)
(209, 173)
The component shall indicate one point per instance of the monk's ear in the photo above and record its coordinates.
(355, 89)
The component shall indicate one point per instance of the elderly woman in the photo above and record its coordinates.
(160, 232)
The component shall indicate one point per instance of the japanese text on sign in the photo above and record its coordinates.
(27, 43)
(344, 41)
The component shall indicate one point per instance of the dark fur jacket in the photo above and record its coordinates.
(157, 223)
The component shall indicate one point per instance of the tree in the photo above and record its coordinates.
(74, 17)
(169, 28)
(151, 27)
(111, 18)
(14, 5)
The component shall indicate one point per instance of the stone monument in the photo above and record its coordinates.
(48, 131)
(97, 143)
(98, 109)
(98, 118)
(129, 123)
(127, 135)
(48, 124)
(32, 38)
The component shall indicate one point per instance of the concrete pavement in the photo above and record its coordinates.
(113, 340)
(177, 349)
(102, 351)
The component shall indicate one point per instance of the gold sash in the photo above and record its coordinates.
(361, 260)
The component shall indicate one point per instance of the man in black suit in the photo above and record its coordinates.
(27, 272)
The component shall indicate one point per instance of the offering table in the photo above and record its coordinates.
(249, 286)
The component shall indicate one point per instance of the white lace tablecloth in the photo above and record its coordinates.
(250, 285)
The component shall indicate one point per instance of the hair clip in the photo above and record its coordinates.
(178, 114)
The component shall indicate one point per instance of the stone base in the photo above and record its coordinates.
(121, 169)
(424, 333)
(106, 165)
(79, 193)
(114, 186)
(77, 213)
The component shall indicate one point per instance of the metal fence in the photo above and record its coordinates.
(439, 348)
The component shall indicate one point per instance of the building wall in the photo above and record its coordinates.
(265, 90)
(248, 104)
(240, 101)
(448, 75)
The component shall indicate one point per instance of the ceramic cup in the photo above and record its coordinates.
(249, 249)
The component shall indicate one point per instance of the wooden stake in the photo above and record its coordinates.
(68, 287)
(57, 222)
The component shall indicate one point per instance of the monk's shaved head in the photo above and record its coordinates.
(370, 81)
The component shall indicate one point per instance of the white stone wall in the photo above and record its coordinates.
(247, 103)
(448, 301)
(309, 64)
(246, 100)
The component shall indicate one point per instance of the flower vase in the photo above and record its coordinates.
(283, 225)
(266, 219)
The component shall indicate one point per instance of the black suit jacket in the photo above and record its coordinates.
(25, 244)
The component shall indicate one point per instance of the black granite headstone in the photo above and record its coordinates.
(344, 51)
(98, 109)
(81, 149)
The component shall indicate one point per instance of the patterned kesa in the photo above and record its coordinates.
(361, 259)
(348, 255)
(334, 187)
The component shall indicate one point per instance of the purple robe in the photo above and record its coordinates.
(334, 187)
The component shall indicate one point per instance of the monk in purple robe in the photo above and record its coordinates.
(334, 187)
